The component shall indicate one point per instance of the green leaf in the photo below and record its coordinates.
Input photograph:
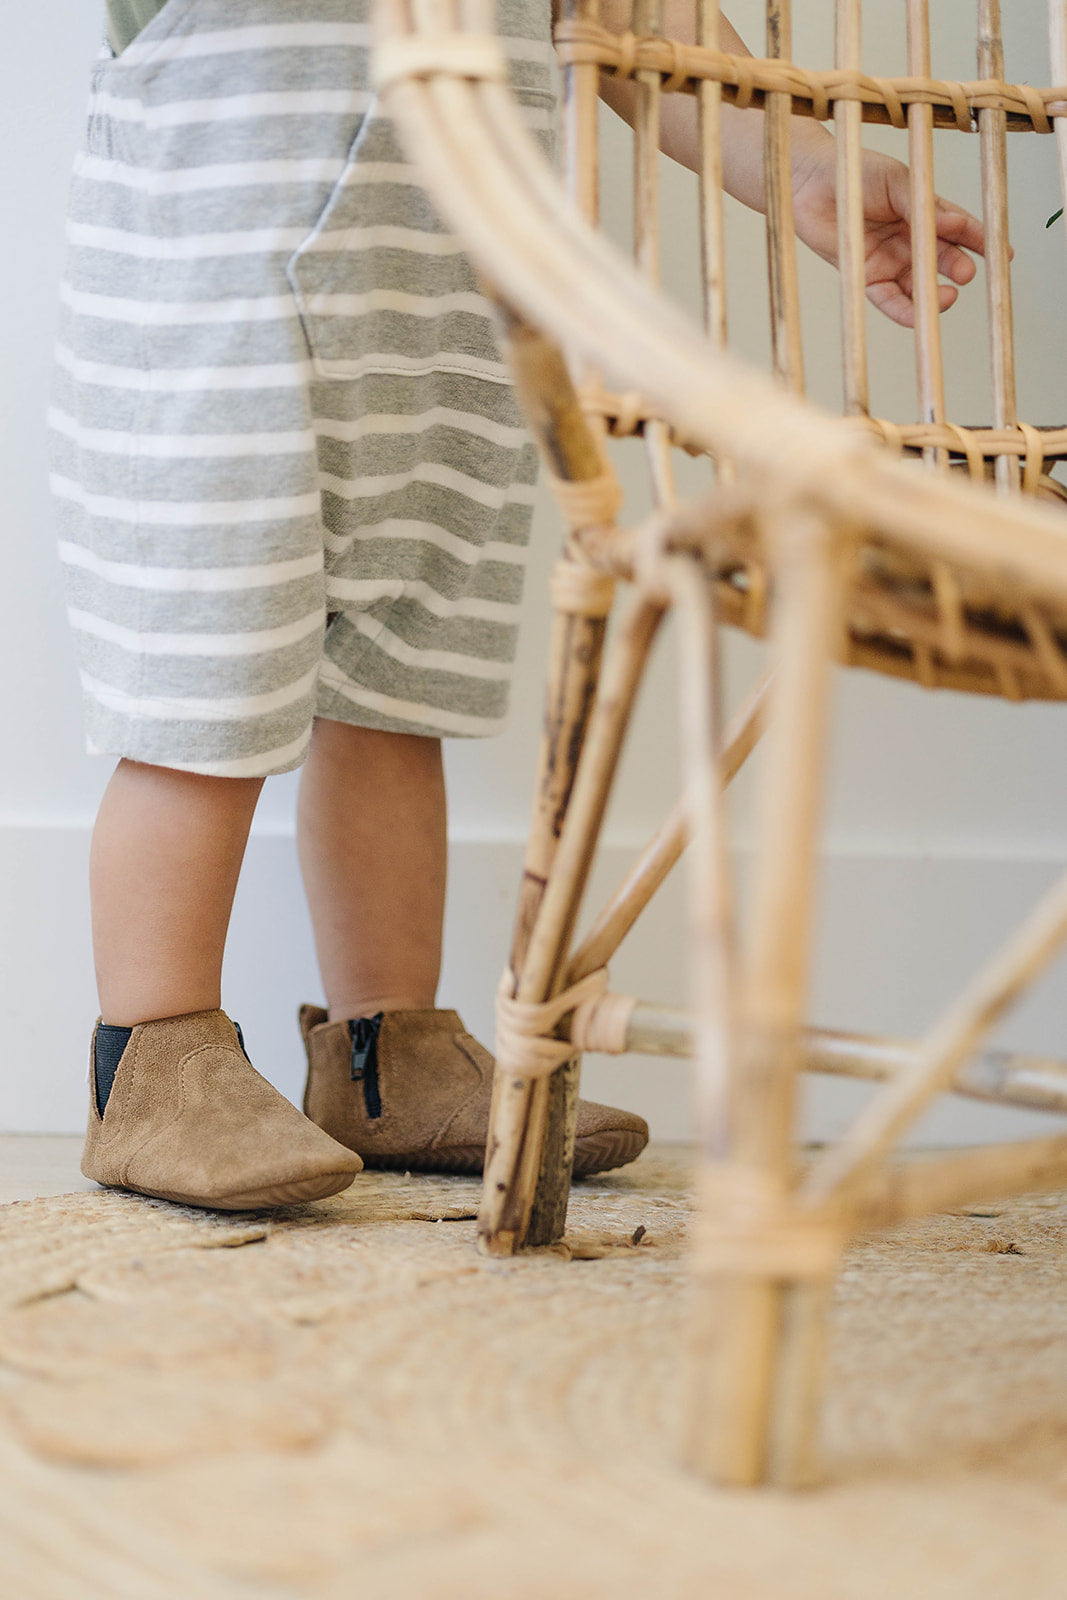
(1056, 218)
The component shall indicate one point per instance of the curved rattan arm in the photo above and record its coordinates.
(443, 83)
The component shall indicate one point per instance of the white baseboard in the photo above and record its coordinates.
(897, 933)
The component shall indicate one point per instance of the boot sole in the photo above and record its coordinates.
(598, 1152)
(269, 1198)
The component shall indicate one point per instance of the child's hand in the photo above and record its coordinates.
(887, 212)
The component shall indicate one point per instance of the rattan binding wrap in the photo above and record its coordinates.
(747, 82)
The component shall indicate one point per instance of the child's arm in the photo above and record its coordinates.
(887, 197)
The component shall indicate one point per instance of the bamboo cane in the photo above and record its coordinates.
(848, 118)
(580, 120)
(781, 235)
(761, 1390)
(728, 1437)
(545, 969)
(1057, 25)
(1031, 1166)
(525, 1199)
(712, 223)
(520, 1112)
(930, 367)
(556, 418)
(810, 572)
(648, 23)
(614, 702)
(993, 135)
(712, 953)
(1000, 1077)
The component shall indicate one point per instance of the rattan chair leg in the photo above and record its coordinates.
(522, 1112)
(529, 1122)
(517, 1119)
(545, 971)
(527, 1177)
(1028, 1166)
(761, 1374)
(793, 1430)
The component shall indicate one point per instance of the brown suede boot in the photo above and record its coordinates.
(190, 1119)
(414, 1093)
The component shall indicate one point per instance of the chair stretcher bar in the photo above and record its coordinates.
(1033, 1083)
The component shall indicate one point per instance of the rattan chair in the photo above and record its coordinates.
(813, 531)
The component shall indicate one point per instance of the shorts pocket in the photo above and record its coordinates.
(319, 270)
(380, 284)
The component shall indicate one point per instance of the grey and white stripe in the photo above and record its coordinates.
(290, 473)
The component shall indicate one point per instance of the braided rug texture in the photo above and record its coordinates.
(350, 1401)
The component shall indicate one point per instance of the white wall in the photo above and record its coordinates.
(946, 814)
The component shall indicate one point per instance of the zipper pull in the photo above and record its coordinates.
(364, 1031)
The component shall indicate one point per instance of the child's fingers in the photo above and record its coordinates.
(952, 263)
(890, 299)
(959, 227)
(893, 297)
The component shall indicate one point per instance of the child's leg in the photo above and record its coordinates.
(176, 1108)
(166, 855)
(372, 848)
(372, 839)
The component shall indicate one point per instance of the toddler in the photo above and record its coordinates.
(294, 493)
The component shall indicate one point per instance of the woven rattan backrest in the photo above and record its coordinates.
(954, 586)
(1006, 446)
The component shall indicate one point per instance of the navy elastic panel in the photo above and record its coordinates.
(108, 1045)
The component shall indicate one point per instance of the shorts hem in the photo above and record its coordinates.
(268, 764)
(366, 708)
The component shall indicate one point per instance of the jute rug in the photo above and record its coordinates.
(350, 1401)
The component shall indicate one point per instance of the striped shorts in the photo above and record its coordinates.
(291, 474)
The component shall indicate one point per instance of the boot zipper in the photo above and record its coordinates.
(364, 1031)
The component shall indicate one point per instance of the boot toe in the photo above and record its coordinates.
(313, 1167)
(606, 1138)
(289, 1192)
